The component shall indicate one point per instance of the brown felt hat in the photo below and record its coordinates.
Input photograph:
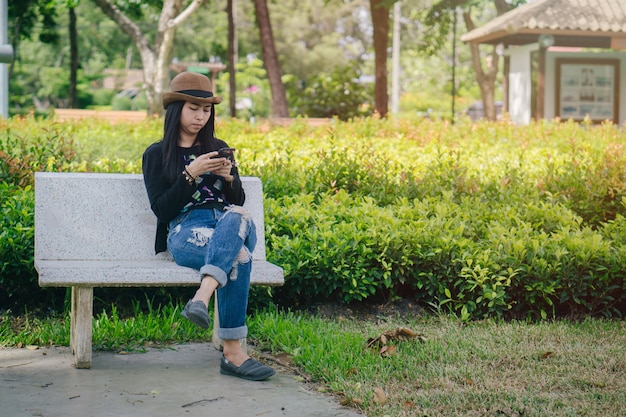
(190, 86)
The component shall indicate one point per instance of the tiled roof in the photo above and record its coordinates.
(563, 17)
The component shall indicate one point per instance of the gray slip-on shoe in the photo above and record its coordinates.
(197, 313)
(251, 370)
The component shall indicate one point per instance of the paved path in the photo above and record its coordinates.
(183, 380)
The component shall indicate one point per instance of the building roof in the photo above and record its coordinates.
(584, 23)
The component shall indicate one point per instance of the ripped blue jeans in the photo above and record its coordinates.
(218, 243)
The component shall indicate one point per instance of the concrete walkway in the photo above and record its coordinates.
(183, 380)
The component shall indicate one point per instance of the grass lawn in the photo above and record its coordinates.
(450, 368)
(484, 368)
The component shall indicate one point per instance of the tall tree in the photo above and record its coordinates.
(270, 57)
(380, 22)
(155, 57)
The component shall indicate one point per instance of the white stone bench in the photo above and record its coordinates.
(97, 230)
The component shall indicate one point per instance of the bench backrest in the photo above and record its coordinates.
(91, 216)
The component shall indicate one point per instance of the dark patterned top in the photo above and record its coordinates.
(209, 187)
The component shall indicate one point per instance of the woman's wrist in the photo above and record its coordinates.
(190, 171)
(191, 178)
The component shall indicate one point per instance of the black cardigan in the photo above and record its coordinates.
(167, 199)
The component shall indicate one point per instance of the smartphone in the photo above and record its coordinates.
(228, 153)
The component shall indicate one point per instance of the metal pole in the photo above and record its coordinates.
(4, 70)
(395, 63)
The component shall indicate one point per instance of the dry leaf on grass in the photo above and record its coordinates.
(284, 359)
(383, 340)
(347, 401)
(389, 350)
(379, 396)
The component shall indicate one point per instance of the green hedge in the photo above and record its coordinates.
(481, 220)
(473, 258)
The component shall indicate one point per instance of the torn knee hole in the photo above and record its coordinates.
(200, 236)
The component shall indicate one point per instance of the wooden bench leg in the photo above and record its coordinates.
(217, 342)
(81, 330)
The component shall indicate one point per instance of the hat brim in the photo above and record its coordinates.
(172, 97)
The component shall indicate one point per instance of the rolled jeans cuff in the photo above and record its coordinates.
(234, 333)
(215, 272)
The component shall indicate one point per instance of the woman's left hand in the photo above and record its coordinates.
(224, 169)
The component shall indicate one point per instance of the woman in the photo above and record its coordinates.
(197, 196)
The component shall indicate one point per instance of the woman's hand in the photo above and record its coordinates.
(208, 163)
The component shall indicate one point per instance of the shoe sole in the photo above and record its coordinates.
(260, 377)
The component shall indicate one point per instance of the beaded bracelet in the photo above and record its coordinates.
(191, 179)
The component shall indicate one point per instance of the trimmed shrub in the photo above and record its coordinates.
(18, 278)
(480, 220)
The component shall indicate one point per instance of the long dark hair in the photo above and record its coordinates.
(172, 162)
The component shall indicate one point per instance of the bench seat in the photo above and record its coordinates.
(141, 273)
(97, 230)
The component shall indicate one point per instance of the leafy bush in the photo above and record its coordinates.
(20, 156)
(335, 94)
(481, 220)
(103, 97)
(474, 258)
(140, 102)
(120, 102)
(18, 279)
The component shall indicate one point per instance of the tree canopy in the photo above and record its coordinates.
(311, 39)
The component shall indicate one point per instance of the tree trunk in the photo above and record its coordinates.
(486, 79)
(231, 9)
(155, 59)
(380, 23)
(270, 57)
(73, 59)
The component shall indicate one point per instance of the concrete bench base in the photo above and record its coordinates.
(97, 230)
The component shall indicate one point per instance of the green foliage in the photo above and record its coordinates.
(158, 324)
(335, 94)
(252, 78)
(32, 13)
(18, 279)
(140, 102)
(16, 240)
(121, 102)
(455, 369)
(24, 149)
(53, 85)
(103, 97)
(338, 239)
(29, 330)
(479, 220)
(153, 325)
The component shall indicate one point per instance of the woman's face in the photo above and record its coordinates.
(194, 117)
